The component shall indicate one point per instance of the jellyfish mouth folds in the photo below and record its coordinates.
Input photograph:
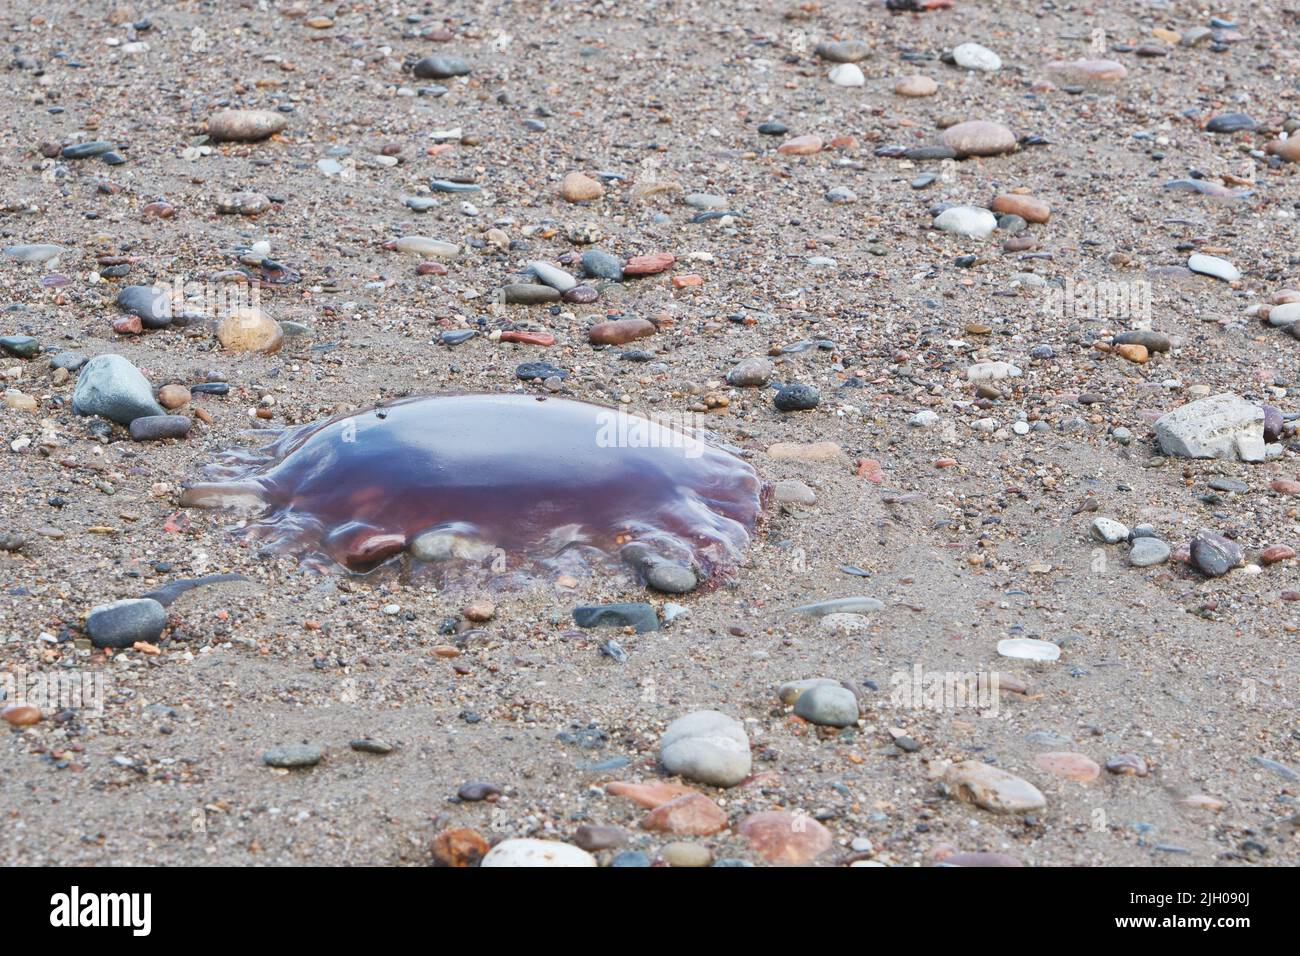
(502, 487)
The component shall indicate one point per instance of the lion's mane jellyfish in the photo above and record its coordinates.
(495, 485)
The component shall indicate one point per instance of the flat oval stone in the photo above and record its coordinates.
(1214, 266)
(552, 276)
(529, 293)
(87, 150)
(123, 623)
(979, 138)
(426, 247)
(1084, 72)
(805, 145)
(620, 331)
(440, 67)
(1029, 649)
(1230, 123)
(37, 252)
(293, 756)
(972, 56)
(1071, 766)
(916, 85)
(245, 125)
(1026, 207)
(829, 705)
(1148, 552)
(159, 427)
(993, 789)
(842, 51)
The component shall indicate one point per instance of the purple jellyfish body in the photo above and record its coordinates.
(499, 482)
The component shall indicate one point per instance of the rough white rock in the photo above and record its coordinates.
(1109, 530)
(971, 221)
(1220, 426)
(991, 371)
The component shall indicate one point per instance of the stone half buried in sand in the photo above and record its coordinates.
(491, 488)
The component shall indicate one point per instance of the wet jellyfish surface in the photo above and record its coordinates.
(502, 485)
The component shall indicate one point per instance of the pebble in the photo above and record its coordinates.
(153, 304)
(978, 138)
(1148, 552)
(594, 838)
(39, 253)
(843, 51)
(1214, 555)
(806, 145)
(173, 396)
(529, 293)
(1086, 72)
(796, 398)
(916, 85)
(972, 56)
(126, 622)
(1214, 266)
(1070, 766)
(692, 814)
(601, 265)
(970, 221)
(991, 371)
(552, 276)
(620, 331)
(293, 756)
(1148, 339)
(245, 126)
(159, 427)
(648, 265)
(784, 838)
(1029, 649)
(686, 854)
(1230, 123)
(1109, 530)
(20, 346)
(708, 747)
(1129, 765)
(21, 715)
(993, 789)
(791, 491)
(1026, 207)
(528, 852)
(829, 705)
(751, 373)
(848, 605)
(427, 248)
(847, 74)
(243, 204)
(640, 616)
(577, 187)
(459, 847)
(250, 330)
(440, 67)
(111, 387)
(371, 745)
